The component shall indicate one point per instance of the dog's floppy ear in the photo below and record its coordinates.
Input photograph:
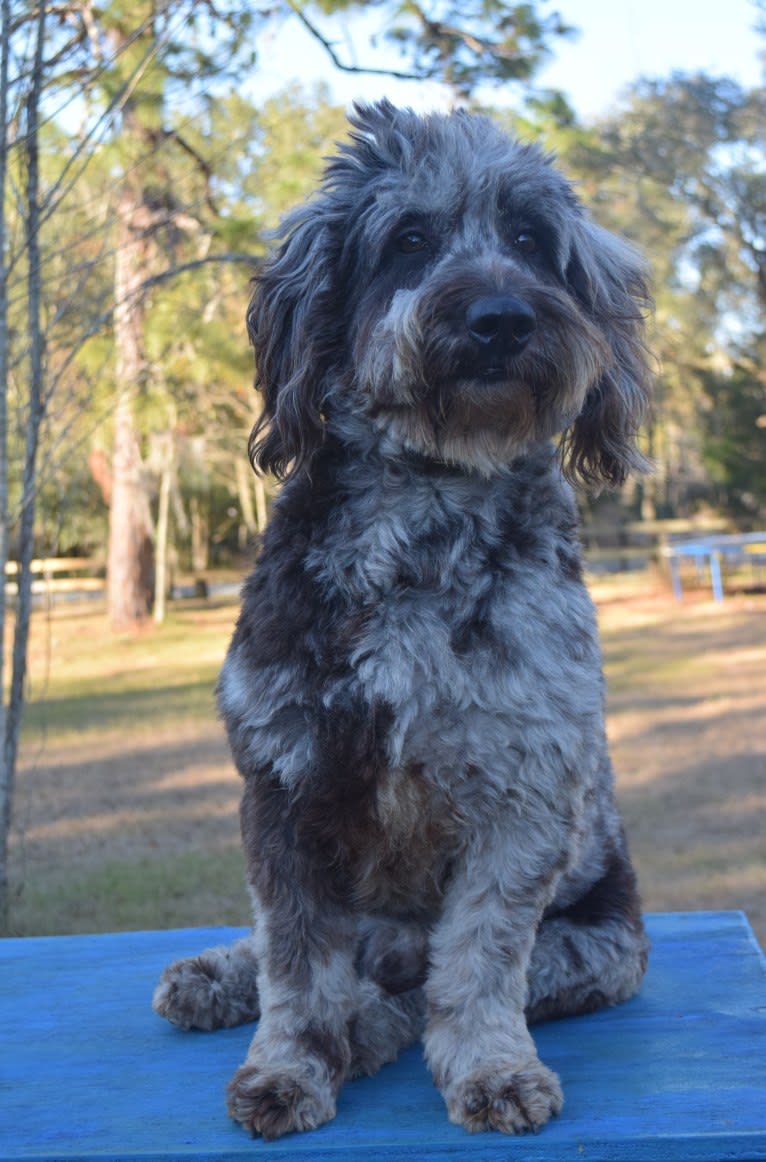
(610, 279)
(288, 321)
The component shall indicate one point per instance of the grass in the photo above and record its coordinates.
(84, 678)
(126, 802)
(126, 799)
(145, 891)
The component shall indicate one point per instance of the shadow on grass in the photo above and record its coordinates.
(162, 781)
(146, 704)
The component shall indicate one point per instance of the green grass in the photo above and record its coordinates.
(84, 679)
(99, 702)
(177, 891)
(167, 700)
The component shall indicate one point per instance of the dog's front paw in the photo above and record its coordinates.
(275, 1103)
(507, 1098)
(214, 990)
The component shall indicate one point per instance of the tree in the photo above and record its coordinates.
(147, 59)
(734, 440)
(500, 42)
(35, 313)
(6, 778)
(460, 45)
(681, 169)
(32, 210)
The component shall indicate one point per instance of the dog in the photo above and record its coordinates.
(445, 343)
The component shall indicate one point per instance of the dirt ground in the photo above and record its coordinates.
(687, 726)
(152, 791)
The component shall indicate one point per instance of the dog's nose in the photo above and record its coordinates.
(501, 323)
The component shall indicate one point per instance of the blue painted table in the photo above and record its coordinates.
(87, 1071)
(710, 551)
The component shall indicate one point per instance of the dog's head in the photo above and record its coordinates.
(446, 284)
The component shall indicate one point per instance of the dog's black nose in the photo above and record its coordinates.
(500, 323)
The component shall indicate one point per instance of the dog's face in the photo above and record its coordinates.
(447, 285)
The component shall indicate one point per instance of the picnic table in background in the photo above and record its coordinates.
(709, 552)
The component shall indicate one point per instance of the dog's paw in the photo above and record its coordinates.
(512, 1100)
(205, 993)
(275, 1103)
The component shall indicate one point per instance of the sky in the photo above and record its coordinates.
(619, 41)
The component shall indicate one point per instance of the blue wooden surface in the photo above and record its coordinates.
(87, 1071)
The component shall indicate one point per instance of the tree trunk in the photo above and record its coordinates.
(163, 523)
(34, 418)
(6, 775)
(130, 563)
(247, 526)
(260, 502)
(199, 537)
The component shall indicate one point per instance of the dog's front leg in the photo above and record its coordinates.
(477, 1044)
(305, 945)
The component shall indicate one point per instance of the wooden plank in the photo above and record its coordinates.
(51, 565)
(88, 1072)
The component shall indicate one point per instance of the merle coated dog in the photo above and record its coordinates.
(413, 694)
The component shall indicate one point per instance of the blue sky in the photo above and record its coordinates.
(619, 41)
(626, 39)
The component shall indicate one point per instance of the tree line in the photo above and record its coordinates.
(139, 181)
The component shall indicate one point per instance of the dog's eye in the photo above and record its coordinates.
(526, 242)
(411, 242)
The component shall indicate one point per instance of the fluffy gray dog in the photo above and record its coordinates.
(413, 693)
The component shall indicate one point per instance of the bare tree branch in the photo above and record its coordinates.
(310, 27)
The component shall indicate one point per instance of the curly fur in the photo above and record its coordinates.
(413, 692)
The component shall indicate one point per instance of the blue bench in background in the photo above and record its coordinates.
(88, 1072)
(710, 552)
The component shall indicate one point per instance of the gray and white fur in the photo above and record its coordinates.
(445, 342)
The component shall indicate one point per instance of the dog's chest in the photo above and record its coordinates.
(476, 630)
(473, 631)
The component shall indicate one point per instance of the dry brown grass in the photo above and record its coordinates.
(126, 806)
(687, 723)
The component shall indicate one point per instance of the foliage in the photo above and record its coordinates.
(150, 97)
(681, 170)
(734, 441)
(502, 42)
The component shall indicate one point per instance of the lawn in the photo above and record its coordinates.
(126, 801)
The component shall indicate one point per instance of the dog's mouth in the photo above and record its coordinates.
(488, 374)
(495, 373)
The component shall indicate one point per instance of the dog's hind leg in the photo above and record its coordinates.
(592, 952)
(383, 1025)
(215, 990)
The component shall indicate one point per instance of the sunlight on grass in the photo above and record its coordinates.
(196, 889)
(84, 678)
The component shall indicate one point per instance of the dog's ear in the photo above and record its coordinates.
(610, 280)
(288, 321)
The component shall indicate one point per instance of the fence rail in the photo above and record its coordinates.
(59, 575)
